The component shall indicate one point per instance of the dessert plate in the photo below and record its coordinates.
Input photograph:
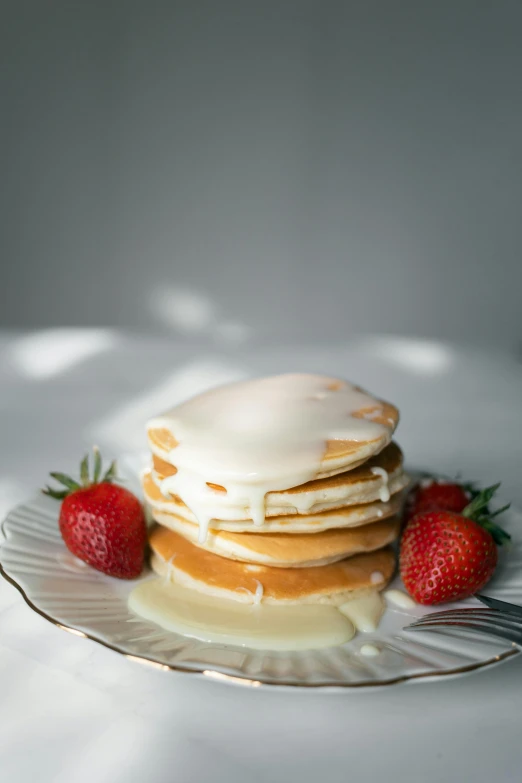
(87, 603)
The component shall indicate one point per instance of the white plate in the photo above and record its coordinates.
(78, 599)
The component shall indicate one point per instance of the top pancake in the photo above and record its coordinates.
(377, 421)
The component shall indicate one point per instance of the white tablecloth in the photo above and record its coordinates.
(72, 711)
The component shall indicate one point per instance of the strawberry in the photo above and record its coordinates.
(101, 523)
(437, 495)
(446, 556)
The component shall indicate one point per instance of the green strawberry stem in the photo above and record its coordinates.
(478, 510)
(71, 485)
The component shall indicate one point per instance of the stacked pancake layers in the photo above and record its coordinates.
(231, 520)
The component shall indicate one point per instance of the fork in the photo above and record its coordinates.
(500, 619)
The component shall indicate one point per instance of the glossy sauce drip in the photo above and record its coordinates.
(384, 491)
(369, 650)
(400, 599)
(222, 621)
(364, 612)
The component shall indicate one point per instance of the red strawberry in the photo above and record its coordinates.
(435, 496)
(446, 556)
(102, 523)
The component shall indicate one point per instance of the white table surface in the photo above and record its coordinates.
(72, 711)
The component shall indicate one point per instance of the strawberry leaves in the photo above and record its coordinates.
(478, 510)
(110, 475)
(84, 471)
(97, 465)
(67, 481)
(57, 494)
(70, 485)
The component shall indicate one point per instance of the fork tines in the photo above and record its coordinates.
(487, 621)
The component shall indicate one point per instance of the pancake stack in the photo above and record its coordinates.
(232, 522)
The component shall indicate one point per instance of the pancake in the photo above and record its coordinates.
(378, 479)
(285, 550)
(181, 562)
(347, 516)
(218, 411)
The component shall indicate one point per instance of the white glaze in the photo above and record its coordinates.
(376, 577)
(364, 612)
(384, 491)
(313, 500)
(260, 436)
(221, 621)
(168, 573)
(258, 595)
(400, 599)
(369, 650)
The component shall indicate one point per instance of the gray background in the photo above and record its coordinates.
(263, 170)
